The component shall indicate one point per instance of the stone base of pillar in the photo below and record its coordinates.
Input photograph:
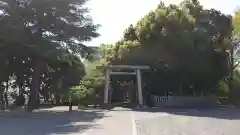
(142, 106)
(106, 106)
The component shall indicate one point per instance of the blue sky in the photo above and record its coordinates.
(115, 16)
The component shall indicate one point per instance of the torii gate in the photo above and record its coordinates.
(137, 72)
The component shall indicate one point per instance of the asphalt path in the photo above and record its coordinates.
(189, 122)
(121, 121)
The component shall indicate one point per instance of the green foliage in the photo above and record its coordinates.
(184, 44)
(236, 21)
(90, 88)
(130, 34)
(236, 83)
(224, 89)
(41, 45)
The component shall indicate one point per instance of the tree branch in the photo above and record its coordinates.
(235, 66)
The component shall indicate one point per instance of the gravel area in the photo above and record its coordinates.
(191, 122)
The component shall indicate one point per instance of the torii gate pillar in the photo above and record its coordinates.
(139, 87)
(137, 72)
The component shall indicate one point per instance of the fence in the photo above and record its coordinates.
(184, 101)
(161, 99)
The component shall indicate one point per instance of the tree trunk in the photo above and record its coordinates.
(52, 100)
(6, 99)
(57, 91)
(35, 86)
(6, 93)
(38, 100)
(57, 97)
(230, 85)
(2, 99)
(70, 105)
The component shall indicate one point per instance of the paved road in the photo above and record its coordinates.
(58, 121)
(120, 121)
(191, 122)
(54, 121)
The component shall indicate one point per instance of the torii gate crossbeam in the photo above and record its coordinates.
(137, 72)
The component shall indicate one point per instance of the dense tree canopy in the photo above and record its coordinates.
(190, 50)
(186, 46)
(41, 45)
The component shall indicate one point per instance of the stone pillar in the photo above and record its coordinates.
(106, 89)
(139, 87)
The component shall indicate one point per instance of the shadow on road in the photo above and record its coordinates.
(50, 122)
(219, 113)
